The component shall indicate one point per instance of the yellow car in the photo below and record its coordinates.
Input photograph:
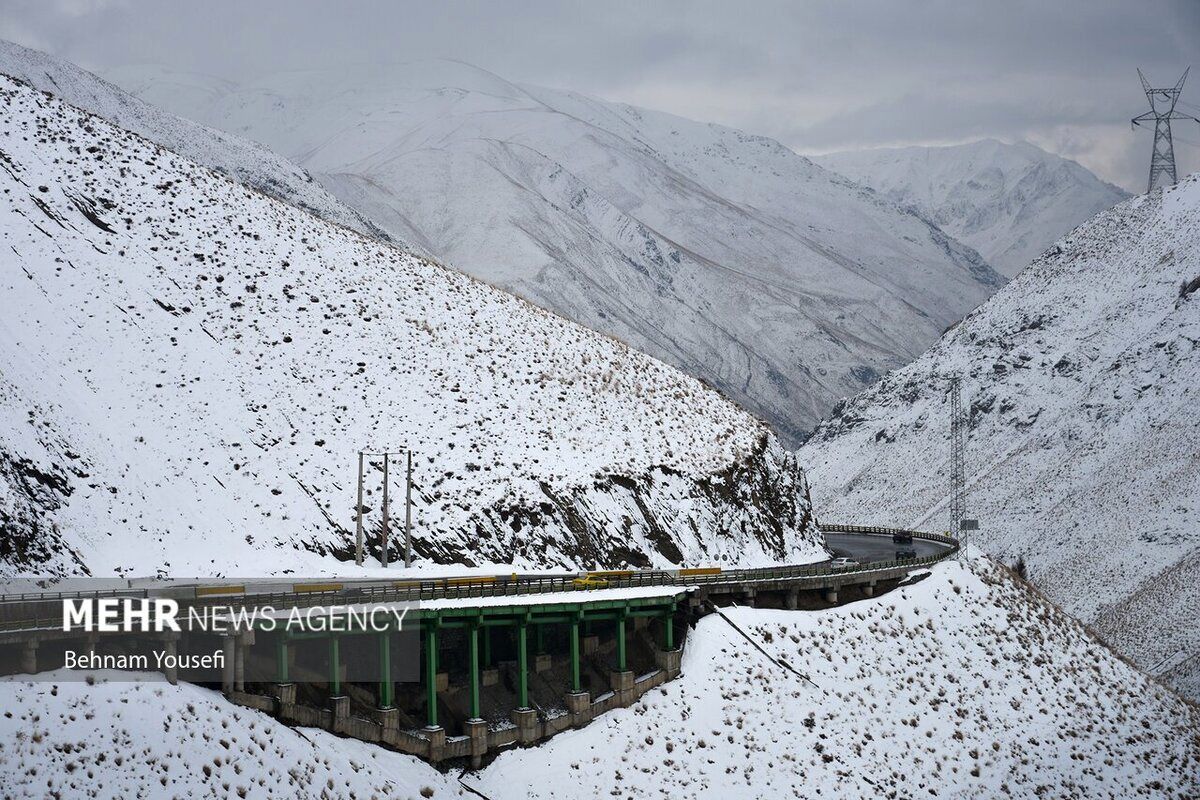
(589, 582)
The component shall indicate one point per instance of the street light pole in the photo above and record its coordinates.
(383, 558)
(358, 536)
(408, 515)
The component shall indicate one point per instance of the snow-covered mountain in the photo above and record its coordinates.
(1081, 377)
(243, 160)
(726, 254)
(188, 368)
(1008, 201)
(964, 685)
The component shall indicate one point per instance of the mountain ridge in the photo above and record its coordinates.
(1008, 201)
(779, 283)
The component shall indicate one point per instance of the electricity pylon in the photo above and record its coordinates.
(957, 462)
(1162, 111)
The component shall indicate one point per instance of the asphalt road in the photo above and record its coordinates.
(864, 547)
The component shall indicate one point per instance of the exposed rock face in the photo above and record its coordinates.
(190, 368)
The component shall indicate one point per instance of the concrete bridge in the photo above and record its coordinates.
(504, 660)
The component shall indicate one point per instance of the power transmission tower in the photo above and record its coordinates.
(1162, 111)
(957, 462)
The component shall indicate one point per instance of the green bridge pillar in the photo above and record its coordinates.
(621, 641)
(669, 630)
(335, 668)
(281, 659)
(473, 665)
(487, 647)
(539, 637)
(431, 668)
(575, 682)
(386, 688)
(522, 666)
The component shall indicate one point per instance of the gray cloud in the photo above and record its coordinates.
(819, 76)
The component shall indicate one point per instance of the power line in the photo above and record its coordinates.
(1162, 111)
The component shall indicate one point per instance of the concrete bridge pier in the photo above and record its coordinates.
(437, 742)
(831, 594)
(869, 589)
(29, 656)
(579, 705)
(751, 596)
(228, 653)
(477, 730)
(792, 601)
(171, 651)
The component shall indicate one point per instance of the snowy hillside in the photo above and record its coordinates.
(245, 161)
(1081, 378)
(188, 368)
(964, 685)
(1008, 201)
(723, 253)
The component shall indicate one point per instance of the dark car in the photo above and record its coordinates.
(902, 537)
(905, 553)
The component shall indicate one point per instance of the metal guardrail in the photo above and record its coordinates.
(466, 587)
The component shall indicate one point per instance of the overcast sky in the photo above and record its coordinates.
(818, 76)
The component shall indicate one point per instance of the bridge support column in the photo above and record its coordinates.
(527, 725)
(522, 668)
(386, 687)
(477, 730)
(669, 662)
(239, 660)
(831, 595)
(171, 670)
(228, 650)
(575, 680)
(869, 589)
(792, 602)
(486, 646)
(340, 706)
(431, 676)
(669, 629)
(621, 642)
(437, 742)
(751, 596)
(622, 686)
(29, 656)
(473, 675)
(579, 706)
(335, 667)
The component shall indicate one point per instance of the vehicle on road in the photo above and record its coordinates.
(589, 582)
(843, 562)
(902, 537)
(905, 553)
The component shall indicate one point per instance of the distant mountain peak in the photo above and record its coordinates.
(1008, 201)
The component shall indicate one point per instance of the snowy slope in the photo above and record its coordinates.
(243, 160)
(1008, 201)
(723, 253)
(188, 368)
(965, 685)
(1081, 378)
